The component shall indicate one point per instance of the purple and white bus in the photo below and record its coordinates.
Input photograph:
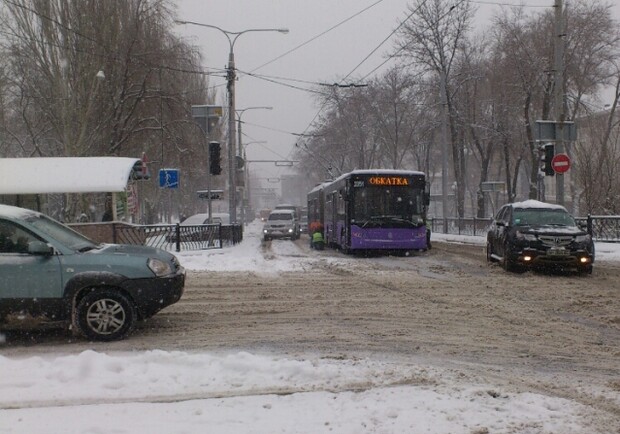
(367, 210)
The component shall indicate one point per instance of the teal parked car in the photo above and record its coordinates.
(50, 271)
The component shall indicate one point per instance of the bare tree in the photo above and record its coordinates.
(432, 37)
(93, 77)
(397, 114)
(597, 155)
(480, 110)
(523, 57)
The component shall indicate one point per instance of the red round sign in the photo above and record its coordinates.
(560, 163)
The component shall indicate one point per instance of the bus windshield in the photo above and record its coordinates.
(381, 205)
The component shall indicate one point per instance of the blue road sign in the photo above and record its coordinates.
(169, 178)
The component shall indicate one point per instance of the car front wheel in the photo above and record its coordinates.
(105, 316)
(489, 249)
(507, 264)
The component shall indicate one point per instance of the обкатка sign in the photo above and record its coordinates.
(388, 180)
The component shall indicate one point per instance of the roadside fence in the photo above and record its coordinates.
(171, 237)
(602, 228)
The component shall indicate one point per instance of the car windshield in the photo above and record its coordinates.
(281, 216)
(61, 233)
(542, 216)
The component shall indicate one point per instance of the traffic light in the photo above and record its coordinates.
(214, 158)
(548, 152)
(140, 171)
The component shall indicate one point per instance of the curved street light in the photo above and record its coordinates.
(239, 113)
(245, 191)
(230, 78)
(241, 153)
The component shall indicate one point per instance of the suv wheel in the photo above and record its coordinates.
(489, 250)
(105, 315)
(509, 265)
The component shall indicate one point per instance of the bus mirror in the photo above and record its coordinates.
(427, 199)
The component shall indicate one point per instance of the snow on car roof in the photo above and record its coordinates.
(531, 203)
(16, 212)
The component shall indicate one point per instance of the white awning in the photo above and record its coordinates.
(65, 174)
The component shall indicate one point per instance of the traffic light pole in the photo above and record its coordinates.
(209, 208)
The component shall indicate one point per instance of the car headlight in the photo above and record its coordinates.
(159, 267)
(290, 230)
(525, 237)
(583, 238)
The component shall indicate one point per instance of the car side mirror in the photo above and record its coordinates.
(40, 248)
(500, 223)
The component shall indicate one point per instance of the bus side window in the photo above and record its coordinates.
(341, 202)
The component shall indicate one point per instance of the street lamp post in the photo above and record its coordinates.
(241, 154)
(245, 192)
(230, 78)
(239, 113)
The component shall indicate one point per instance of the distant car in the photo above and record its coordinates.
(203, 219)
(296, 212)
(281, 224)
(534, 234)
(59, 275)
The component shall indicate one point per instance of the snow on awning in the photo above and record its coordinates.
(65, 174)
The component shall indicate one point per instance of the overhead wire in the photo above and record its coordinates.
(274, 81)
(318, 36)
(305, 147)
(361, 63)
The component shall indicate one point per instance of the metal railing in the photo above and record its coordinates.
(461, 225)
(171, 237)
(602, 228)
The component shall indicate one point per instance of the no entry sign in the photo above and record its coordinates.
(560, 163)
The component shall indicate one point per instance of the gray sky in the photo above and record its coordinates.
(323, 59)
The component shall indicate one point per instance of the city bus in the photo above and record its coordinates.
(371, 210)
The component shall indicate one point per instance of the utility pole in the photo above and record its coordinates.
(559, 94)
(232, 185)
(230, 86)
(444, 150)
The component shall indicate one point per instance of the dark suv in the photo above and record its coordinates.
(533, 234)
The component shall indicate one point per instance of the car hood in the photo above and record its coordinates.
(551, 230)
(134, 250)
